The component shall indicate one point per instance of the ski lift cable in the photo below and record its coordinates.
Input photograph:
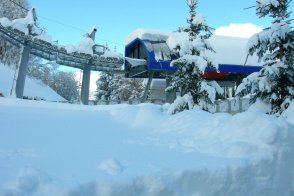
(64, 24)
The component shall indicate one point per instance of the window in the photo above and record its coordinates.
(138, 52)
(161, 51)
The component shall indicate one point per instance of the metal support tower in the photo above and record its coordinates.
(144, 98)
(23, 63)
(22, 71)
(85, 85)
(87, 74)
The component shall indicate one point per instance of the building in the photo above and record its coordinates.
(148, 55)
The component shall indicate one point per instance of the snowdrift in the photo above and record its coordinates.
(33, 88)
(62, 149)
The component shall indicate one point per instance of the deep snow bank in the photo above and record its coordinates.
(62, 149)
(33, 87)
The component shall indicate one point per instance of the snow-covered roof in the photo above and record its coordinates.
(148, 34)
(231, 50)
(228, 50)
(85, 46)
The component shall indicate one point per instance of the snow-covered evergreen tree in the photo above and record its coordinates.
(116, 87)
(193, 62)
(65, 85)
(103, 84)
(10, 54)
(132, 89)
(274, 84)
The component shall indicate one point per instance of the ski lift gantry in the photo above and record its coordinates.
(31, 44)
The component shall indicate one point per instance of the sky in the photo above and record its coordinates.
(67, 21)
(115, 19)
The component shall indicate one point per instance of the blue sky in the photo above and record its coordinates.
(115, 19)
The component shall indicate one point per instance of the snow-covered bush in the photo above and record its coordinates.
(192, 62)
(181, 103)
(208, 92)
(274, 83)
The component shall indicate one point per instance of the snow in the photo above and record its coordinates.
(5, 22)
(199, 19)
(63, 149)
(33, 87)
(287, 114)
(21, 24)
(278, 31)
(70, 48)
(212, 89)
(85, 46)
(185, 101)
(176, 38)
(136, 62)
(158, 84)
(231, 50)
(109, 53)
(274, 3)
(148, 34)
(264, 6)
(44, 37)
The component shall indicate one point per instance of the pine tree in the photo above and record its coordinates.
(103, 91)
(192, 62)
(116, 87)
(274, 84)
(66, 85)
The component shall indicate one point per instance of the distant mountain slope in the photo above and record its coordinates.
(33, 87)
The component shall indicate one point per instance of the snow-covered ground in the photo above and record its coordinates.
(63, 149)
(33, 87)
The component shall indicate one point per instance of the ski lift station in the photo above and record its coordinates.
(148, 55)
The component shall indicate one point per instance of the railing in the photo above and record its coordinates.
(114, 102)
(231, 106)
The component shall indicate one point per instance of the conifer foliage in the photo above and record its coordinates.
(274, 84)
(192, 62)
(115, 87)
(104, 86)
